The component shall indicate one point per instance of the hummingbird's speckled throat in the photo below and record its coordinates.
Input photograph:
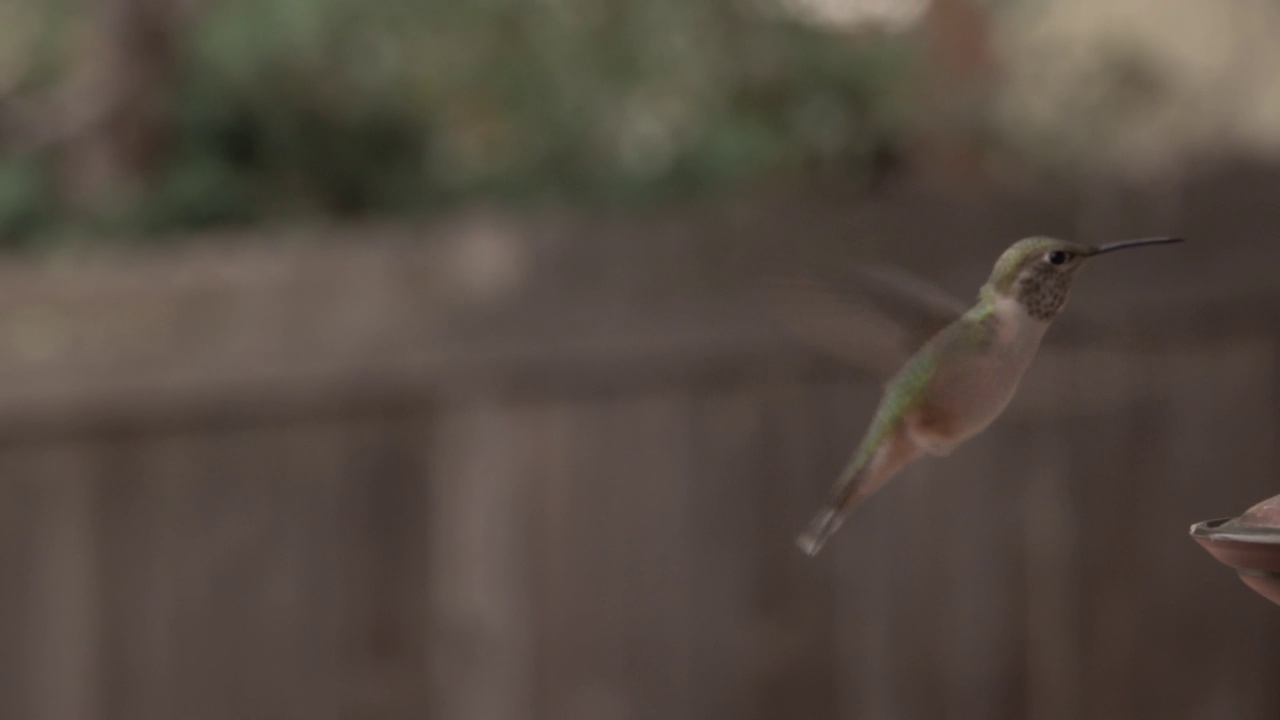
(1042, 290)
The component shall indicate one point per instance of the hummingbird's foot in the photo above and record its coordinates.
(815, 536)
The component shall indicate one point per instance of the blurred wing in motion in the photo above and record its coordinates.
(875, 321)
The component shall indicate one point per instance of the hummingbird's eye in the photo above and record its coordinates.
(1058, 257)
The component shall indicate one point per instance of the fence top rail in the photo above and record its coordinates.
(482, 301)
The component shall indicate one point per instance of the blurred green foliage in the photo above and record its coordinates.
(305, 108)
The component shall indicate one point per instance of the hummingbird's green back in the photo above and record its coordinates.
(972, 333)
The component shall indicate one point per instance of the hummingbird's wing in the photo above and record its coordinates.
(876, 318)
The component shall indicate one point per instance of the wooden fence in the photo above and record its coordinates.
(379, 482)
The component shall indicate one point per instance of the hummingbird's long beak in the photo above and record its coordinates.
(1109, 247)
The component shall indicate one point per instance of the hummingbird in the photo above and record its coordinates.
(964, 376)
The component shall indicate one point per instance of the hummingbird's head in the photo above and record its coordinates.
(1038, 271)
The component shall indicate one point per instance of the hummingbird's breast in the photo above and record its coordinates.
(978, 369)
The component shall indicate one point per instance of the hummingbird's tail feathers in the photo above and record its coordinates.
(844, 499)
(866, 473)
(822, 527)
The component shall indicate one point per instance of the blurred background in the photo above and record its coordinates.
(403, 359)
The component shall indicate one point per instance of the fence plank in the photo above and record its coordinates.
(1052, 527)
(65, 616)
(480, 626)
(20, 519)
(379, 466)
